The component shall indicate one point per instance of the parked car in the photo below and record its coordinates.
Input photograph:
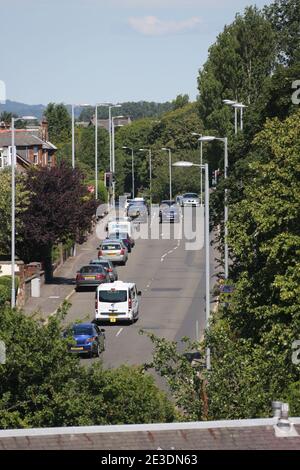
(108, 266)
(91, 276)
(126, 239)
(169, 212)
(88, 339)
(190, 200)
(114, 250)
(117, 301)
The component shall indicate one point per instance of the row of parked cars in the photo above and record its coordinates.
(115, 300)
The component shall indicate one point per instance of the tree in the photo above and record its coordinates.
(59, 122)
(284, 16)
(22, 201)
(238, 67)
(60, 207)
(180, 101)
(42, 385)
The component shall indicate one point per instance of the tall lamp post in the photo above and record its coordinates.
(13, 203)
(97, 105)
(201, 163)
(132, 169)
(170, 169)
(209, 138)
(207, 265)
(113, 151)
(150, 171)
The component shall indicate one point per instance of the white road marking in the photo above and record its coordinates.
(54, 297)
(120, 331)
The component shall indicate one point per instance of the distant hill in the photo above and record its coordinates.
(22, 109)
(135, 110)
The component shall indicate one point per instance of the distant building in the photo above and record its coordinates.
(104, 123)
(32, 144)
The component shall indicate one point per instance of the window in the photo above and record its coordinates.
(49, 160)
(112, 296)
(35, 155)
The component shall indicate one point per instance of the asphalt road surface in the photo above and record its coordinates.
(172, 281)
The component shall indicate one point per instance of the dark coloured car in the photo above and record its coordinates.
(108, 266)
(91, 276)
(88, 339)
(169, 212)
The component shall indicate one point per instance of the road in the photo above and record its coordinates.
(172, 281)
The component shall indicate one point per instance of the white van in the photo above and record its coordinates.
(121, 226)
(117, 301)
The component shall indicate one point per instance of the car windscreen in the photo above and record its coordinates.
(112, 296)
(111, 246)
(92, 268)
(82, 330)
(191, 195)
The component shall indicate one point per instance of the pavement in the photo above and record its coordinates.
(63, 284)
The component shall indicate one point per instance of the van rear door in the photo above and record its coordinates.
(112, 303)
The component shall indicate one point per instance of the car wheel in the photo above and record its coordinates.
(99, 350)
(77, 289)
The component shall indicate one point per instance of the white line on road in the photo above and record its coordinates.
(120, 331)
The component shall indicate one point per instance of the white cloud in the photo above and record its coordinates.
(153, 26)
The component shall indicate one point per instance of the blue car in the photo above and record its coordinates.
(89, 338)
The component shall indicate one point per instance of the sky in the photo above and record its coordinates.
(88, 51)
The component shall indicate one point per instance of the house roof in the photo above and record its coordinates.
(24, 139)
(210, 435)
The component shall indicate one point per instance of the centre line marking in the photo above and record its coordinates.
(120, 331)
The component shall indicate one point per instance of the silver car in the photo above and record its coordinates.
(108, 266)
(113, 250)
(190, 200)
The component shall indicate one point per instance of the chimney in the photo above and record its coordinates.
(284, 427)
(44, 129)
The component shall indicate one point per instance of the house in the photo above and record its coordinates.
(33, 147)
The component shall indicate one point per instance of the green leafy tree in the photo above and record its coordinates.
(41, 384)
(59, 122)
(60, 208)
(284, 16)
(22, 202)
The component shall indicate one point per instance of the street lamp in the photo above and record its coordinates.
(170, 169)
(207, 266)
(13, 203)
(73, 130)
(201, 162)
(241, 107)
(132, 169)
(236, 105)
(113, 151)
(209, 138)
(150, 171)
